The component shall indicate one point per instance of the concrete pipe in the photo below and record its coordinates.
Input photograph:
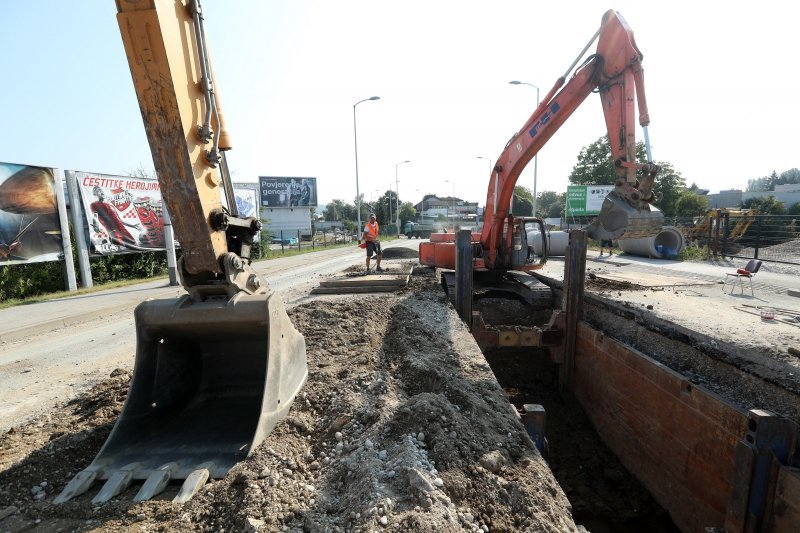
(665, 245)
(557, 242)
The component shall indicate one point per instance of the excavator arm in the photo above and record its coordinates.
(219, 367)
(615, 71)
(171, 69)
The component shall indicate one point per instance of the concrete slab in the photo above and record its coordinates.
(357, 282)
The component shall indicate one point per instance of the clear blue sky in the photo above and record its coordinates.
(721, 76)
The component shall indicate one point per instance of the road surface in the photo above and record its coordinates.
(62, 347)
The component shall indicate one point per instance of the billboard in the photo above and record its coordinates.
(288, 192)
(30, 230)
(586, 199)
(124, 214)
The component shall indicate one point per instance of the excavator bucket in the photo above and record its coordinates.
(211, 380)
(618, 219)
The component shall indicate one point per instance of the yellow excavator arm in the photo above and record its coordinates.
(219, 367)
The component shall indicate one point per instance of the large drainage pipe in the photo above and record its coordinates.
(557, 242)
(666, 244)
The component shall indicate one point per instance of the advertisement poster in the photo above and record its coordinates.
(30, 231)
(288, 192)
(124, 214)
(586, 199)
(246, 199)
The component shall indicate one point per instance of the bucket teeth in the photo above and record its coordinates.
(194, 482)
(77, 486)
(117, 482)
(156, 482)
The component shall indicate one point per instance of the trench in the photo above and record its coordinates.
(648, 430)
(605, 496)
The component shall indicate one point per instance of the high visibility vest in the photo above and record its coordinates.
(372, 229)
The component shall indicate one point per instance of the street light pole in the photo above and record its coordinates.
(536, 157)
(390, 203)
(397, 187)
(453, 183)
(355, 142)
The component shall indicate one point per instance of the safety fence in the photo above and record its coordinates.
(735, 233)
(774, 238)
(283, 241)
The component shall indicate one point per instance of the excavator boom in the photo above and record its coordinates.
(219, 367)
(614, 71)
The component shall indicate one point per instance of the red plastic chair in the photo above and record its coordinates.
(747, 272)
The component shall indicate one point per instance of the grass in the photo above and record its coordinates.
(12, 302)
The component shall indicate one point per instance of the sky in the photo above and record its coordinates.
(722, 83)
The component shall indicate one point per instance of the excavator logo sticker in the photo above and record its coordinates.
(554, 108)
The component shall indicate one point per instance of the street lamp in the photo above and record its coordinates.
(397, 187)
(453, 183)
(536, 157)
(355, 142)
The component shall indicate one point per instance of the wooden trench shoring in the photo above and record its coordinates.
(712, 465)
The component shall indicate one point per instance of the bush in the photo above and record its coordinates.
(24, 281)
(128, 266)
(693, 252)
(35, 279)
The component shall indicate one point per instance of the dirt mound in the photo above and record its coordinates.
(401, 426)
(400, 253)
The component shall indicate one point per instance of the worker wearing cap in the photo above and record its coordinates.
(371, 232)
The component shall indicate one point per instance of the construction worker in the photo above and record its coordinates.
(371, 233)
(607, 243)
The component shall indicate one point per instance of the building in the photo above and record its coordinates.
(431, 207)
(789, 194)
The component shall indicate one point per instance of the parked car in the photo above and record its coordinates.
(290, 241)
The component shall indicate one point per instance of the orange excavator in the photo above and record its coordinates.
(615, 72)
(217, 368)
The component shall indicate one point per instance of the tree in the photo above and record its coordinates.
(407, 212)
(522, 202)
(338, 210)
(550, 204)
(668, 187)
(765, 205)
(595, 167)
(382, 210)
(690, 204)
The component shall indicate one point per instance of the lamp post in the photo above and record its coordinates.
(390, 203)
(536, 157)
(397, 190)
(453, 183)
(355, 142)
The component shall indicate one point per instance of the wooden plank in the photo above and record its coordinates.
(667, 431)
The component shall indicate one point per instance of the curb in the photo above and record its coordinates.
(62, 322)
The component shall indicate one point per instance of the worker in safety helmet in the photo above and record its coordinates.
(371, 232)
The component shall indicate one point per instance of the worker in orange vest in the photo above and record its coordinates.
(371, 232)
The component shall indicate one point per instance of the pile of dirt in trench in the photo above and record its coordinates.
(401, 426)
